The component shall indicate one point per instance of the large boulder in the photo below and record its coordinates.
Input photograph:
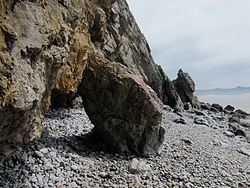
(125, 113)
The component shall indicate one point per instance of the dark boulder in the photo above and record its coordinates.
(218, 107)
(185, 88)
(215, 110)
(229, 108)
(125, 113)
(205, 106)
(241, 113)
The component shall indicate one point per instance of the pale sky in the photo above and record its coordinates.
(210, 39)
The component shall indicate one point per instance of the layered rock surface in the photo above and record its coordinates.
(45, 47)
(125, 114)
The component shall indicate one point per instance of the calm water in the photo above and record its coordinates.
(239, 101)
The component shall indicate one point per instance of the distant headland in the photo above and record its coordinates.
(223, 91)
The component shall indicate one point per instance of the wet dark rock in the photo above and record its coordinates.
(229, 108)
(199, 113)
(205, 106)
(213, 109)
(218, 107)
(180, 120)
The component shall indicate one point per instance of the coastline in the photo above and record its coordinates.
(239, 101)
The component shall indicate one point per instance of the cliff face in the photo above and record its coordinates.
(90, 47)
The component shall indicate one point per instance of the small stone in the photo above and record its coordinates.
(221, 144)
(39, 178)
(25, 172)
(50, 184)
(24, 157)
(137, 182)
(52, 154)
(189, 185)
(205, 106)
(133, 165)
(229, 108)
(199, 113)
(105, 175)
(59, 186)
(200, 121)
(180, 120)
(218, 107)
(173, 175)
(137, 166)
(229, 133)
(72, 185)
(48, 166)
(187, 141)
(212, 109)
(187, 106)
(167, 108)
(39, 154)
(74, 167)
(33, 179)
(183, 177)
(143, 167)
(44, 150)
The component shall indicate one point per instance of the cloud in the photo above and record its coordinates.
(209, 38)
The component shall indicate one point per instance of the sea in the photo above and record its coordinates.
(239, 101)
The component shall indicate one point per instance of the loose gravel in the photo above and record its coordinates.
(196, 153)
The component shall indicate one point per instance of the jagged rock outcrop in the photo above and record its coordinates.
(185, 88)
(115, 33)
(46, 45)
(50, 50)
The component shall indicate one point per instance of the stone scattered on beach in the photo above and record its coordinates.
(229, 108)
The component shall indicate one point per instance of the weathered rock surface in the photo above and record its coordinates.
(185, 88)
(218, 107)
(229, 108)
(120, 105)
(44, 50)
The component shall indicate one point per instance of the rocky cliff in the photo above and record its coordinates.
(90, 47)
